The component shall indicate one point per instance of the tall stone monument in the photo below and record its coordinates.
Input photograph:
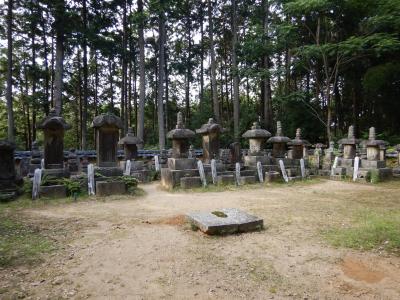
(297, 145)
(36, 159)
(54, 127)
(107, 128)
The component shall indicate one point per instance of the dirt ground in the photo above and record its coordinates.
(142, 248)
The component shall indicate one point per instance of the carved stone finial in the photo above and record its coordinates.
(211, 121)
(350, 134)
(256, 125)
(130, 130)
(298, 134)
(372, 134)
(179, 120)
(278, 128)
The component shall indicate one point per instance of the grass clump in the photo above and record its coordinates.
(20, 244)
(370, 230)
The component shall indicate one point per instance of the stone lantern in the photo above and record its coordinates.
(374, 146)
(210, 133)
(349, 144)
(130, 142)
(298, 146)
(256, 136)
(107, 128)
(9, 183)
(278, 142)
(180, 138)
(54, 127)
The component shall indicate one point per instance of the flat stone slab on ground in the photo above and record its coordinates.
(225, 221)
(104, 188)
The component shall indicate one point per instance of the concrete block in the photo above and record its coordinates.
(225, 179)
(247, 179)
(182, 163)
(53, 191)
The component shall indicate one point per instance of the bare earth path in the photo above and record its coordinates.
(141, 248)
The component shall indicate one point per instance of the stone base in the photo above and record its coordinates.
(8, 195)
(251, 160)
(324, 173)
(182, 163)
(272, 176)
(190, 182)
(56, 173)
(364, 175)
(247, 179)
(104, 188)
(346, 162)
(172, 178)
(141, 176)
(53, 191)
(109, 171)
(372, 164)
(337, 177)
(226, 179)
(225, 221)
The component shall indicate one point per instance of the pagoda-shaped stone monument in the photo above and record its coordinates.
(257, 137)
(279, 142)
(179, 166)
(375, 164)
(345, 164)
(130, 145)
(107, 128)
(297, 146)
(54, 127)
(210, 133)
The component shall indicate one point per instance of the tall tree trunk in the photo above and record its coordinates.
(10, 112)
(201, 52)
(266, 79)
(235, 74)
(33, 75)
(212, 64)
(161, 53)
(85, 77)
(188, 61)
(46, 105)
(166, 112)
(79, 104)
(124, 111)
(111, 79)
(59, 71)
(142, 75)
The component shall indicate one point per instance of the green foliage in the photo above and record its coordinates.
(130, 183)
(370, 230)
(74, 185)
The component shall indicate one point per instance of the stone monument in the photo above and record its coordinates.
(257, 137)
(180, 170)
(210, 133)
(10, 184)
(130, 145)
(374, 163)
(107, 128)
(53, 127)
(345, 164)
(278, 142)
(73, 162)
